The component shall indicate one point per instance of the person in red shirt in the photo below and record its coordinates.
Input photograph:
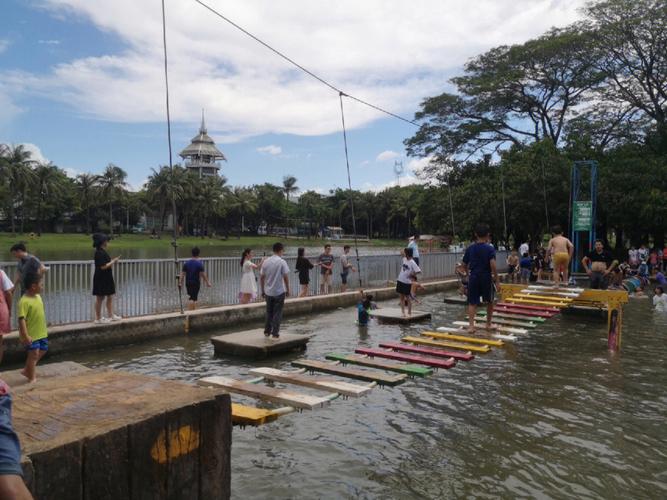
(664, 259)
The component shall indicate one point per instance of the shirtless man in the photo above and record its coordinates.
(561, 250)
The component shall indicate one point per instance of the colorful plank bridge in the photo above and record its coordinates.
(521, 310)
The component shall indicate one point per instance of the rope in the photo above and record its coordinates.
(174, 243)
(349, 184)
(302, 68)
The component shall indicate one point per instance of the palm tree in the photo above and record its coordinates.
(158, 188)
(112, 184)
(289, 186)
(85, 186)
(18, 171)
(49, 183)
(244, 202)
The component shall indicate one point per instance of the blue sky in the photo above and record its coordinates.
(80, 80)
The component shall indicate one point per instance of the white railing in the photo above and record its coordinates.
(149, 286)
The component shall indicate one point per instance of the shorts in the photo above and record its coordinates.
(403, 288)
(38, 345)
(10, 448)
(343, 278)
(193, 290)
(525, 273)
(511, 269)
(598, 281)
(561, 259)
(480, 289)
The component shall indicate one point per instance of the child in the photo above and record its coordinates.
(463, 279)
(512, 265)
(526, 264)
(660, 299)
(364, 306)
(193, 272)
(32, 325)
(409, 271)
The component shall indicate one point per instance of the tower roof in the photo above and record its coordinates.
(202, 145)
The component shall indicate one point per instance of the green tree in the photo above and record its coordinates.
(18, 171)
(49, 183)
(112, 185)
(289, 186)
(86, 191)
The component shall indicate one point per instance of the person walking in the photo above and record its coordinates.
(409, 271)
(104, 285)
(27, 265)
(561, 250)
(326, 262)
(193, 273)
(6, 289)
(248, 280)
(274, 280)
(303, 267)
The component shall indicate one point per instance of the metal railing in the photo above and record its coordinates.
(149, 286)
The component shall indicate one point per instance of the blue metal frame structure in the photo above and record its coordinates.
(575, 195)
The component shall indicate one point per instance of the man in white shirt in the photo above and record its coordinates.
(524, 248)
(409, 272)
(274, 281)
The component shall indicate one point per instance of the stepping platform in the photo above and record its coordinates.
(518, 311)
(281, 396)
(254, 344)
(461, 331)
(505, 329)
(335, 369)
(498, 314)
(312, 381)
(455, 299)
(243, 415)
(422, 360)
(520, 300)
(396, 316)
(505, 322)
(446, 344)
(353, 359)
(544, 298)
(527, 307)
(438, 353)
(552, 293)
(464, 338)
(44, 372)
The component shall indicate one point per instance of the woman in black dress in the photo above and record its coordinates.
(303, 267)
(103, 282)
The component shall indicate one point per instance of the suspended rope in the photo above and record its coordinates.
(174, 242)
(302, 68)
(349, 185)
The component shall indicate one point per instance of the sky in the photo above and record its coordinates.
(82, 81)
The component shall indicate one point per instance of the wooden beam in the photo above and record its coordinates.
(423, 360)
(450, 345)
(354, 359)
(312, 381)
(504, 329)
(464, 338)
(335, 369)
(437, 352)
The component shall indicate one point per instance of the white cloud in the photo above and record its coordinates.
(386, 52)
(387, 155)
(271, 149)
(35, 152)
(4, 44)
(49, 42)
(364, 163)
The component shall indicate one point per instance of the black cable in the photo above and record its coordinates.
(171, 165)
(308, 72)
(349, 183)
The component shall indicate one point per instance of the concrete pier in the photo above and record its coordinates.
(108, 434)
(88, 336)
(254, 344)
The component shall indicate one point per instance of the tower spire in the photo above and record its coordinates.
(202, 128)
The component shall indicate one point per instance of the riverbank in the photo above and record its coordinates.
(89, 336)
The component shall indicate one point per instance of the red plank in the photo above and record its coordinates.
(438, 353)
(524, 312)
(422, 360)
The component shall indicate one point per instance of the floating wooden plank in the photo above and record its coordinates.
(281, 396)
(527, 307)
(445, 344)
(502, 336)
(437, 352)
(464, 338)
(335, 369)
(396, 316)
(505, 329)
(459, 330)
(545, 298)
(506, 322)
(423, 360)
(517, 310)
(567, 289)
(254, 344)
(312, 381)
(521, 317)
(455, 299)
(520, 300)
(353, 359)
(550, 293)
(250, 415)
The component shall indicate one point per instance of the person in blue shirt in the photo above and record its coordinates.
(364, 306)
(192, 273)
(526, 265)
(479, 262)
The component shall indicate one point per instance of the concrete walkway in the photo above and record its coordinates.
(89, 336)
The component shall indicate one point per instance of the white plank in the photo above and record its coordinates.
(312, 381)
(505, 329)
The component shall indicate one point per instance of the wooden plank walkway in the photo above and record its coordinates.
(517, 310)
(482, 327)
(528, 307)
(445, 344)
(390, 315)
(381, 378)
(281, 396)
(459, 331)
(438, 353)
(249, 415)
(253, 344)
(424, 360)
(353, 359)
(312, 381)
(464, 338)
(520, 317)
(505, 322)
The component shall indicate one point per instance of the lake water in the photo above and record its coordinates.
(553, 415)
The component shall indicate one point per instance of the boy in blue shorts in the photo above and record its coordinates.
(32, 325)
(479, 262)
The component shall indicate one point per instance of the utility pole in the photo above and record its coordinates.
(398, 170)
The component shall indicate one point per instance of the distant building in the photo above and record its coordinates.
(202, 155)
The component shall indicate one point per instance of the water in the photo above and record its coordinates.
(553, 415)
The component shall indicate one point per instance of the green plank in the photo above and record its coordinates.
(353, 359)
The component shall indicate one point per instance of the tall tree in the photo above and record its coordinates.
(85, 187)
(289, 186)
(19, 174)
(112, 184)
(49, 183)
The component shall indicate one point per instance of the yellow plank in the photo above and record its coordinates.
(551, 298)
(464, 338)
(519, 300)
(450, 345)
(249, 415)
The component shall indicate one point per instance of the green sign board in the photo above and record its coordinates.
(583, 215)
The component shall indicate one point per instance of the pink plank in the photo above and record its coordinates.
(438, 353)
(422, 360)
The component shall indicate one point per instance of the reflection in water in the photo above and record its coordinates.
(555, 415)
